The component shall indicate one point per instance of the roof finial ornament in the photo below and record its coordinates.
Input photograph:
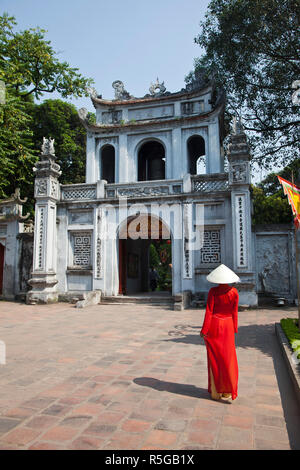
(157, 86)
(120, 92)
(92, 92)
(48, 146)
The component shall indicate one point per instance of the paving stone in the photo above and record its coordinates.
(119, 377)
(6, 424)
(60, 433)
(21, 436)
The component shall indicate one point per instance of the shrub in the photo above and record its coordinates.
(291, 330)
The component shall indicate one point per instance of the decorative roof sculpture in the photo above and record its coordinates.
(120, 93)
(157, 86)
(48, 146)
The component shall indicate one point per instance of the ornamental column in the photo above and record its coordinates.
(239, 181)
(47, 193)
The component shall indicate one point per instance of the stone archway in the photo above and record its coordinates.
(135, 237)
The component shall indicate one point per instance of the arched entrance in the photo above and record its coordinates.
(144, 243)
(2, 250)
(196, 155)
(151, 161)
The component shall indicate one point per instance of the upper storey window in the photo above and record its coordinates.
(151, 161)
(108, 163)
(196, 155)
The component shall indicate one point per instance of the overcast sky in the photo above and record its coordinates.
(134, 41)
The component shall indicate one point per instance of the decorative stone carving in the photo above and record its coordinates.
(99, 246)
(144, 191)
(238, 172)
(54, 189)
(108, 140)
(211, 251)
(186, 226)
(81, 246)
(41, 187)
(204, 185)
(157, 89)
(11, 208)
(273, 263)
(83, 114)
(241, 232)
(48, 146)
(81, 192)
(92, 92)
(120, 93)
(40, 233)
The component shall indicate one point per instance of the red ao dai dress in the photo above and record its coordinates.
(220, 324)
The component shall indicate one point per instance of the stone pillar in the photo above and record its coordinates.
(47, 193)
(11, 225)
(239, 181)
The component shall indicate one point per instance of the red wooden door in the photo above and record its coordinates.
(1, 266)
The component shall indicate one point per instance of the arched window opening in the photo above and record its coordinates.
(108, 163)
(196, 155)
(151, 161)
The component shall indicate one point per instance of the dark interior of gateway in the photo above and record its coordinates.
(151, 161)
(196, 149)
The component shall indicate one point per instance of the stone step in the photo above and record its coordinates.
(131, 299)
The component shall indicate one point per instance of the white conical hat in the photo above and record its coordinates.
(222, 275)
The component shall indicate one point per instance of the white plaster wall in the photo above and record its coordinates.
(214, 152)
(91, 170)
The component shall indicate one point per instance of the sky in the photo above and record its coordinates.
(134, 41)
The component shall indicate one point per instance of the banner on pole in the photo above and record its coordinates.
(293, 193)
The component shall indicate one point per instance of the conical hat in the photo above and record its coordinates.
(222, 275)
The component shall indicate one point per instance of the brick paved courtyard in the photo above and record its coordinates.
(134, 377)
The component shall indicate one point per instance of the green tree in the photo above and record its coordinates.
(29, 67)
(59, 120)
(251, 49)
(270, 204)
(17, 156)
(153, 256)
(271, 209)
(29, 64)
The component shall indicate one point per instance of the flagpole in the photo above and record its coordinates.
(297, 263)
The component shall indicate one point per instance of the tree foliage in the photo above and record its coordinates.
(251, 48)
(29, 64)
(17, 156)
(60, 120)
(270, 204)
(29, 67)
